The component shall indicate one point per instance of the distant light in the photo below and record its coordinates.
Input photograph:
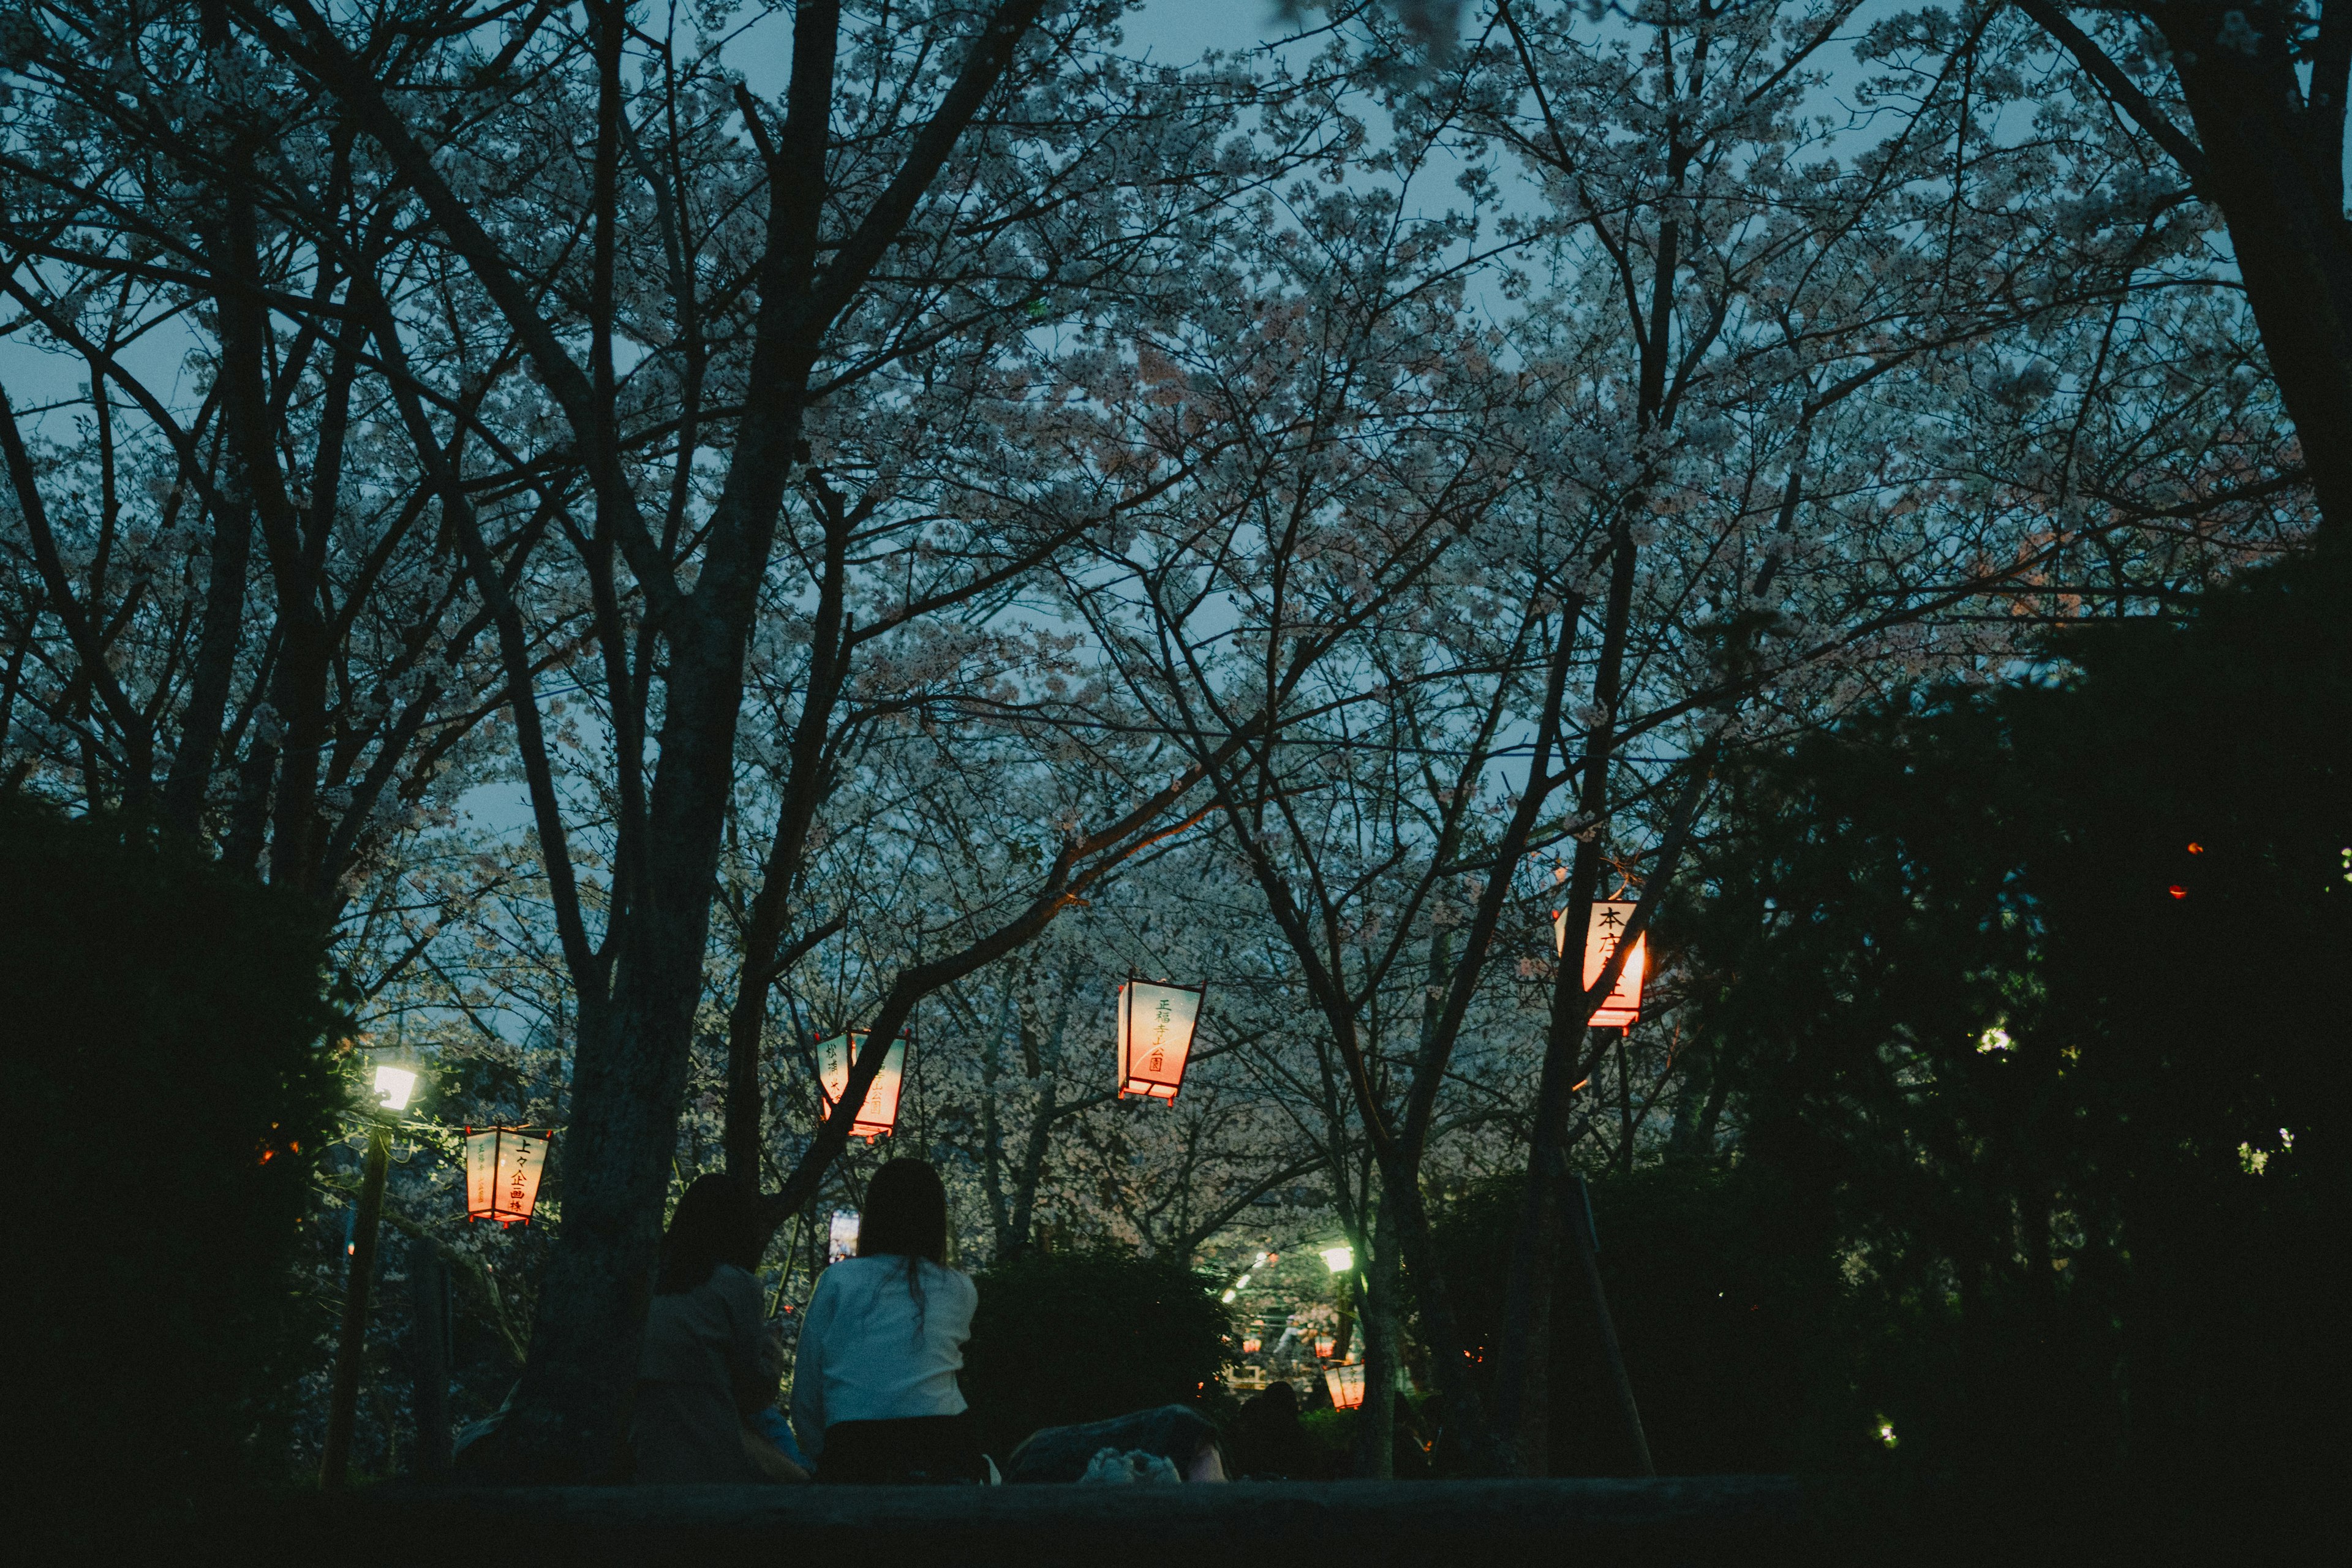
(1886, 1432)
(1340, 1260)
(2177, 891)
(1227, 1297)
(394, 1086)
(2196, 848)
(1242, 1283)
(1994, 1039)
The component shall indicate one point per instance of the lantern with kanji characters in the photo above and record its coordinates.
(503, 1165)
(879, 1114)
(1155, 1036)
(1606, 924)
(1346, 1385)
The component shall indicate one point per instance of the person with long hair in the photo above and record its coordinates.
(873, 1391)
(707, 1366)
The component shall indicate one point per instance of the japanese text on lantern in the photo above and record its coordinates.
(1604, 930)
(1156, 1023)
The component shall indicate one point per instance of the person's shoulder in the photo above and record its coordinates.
(956, 1281)
(735, 1282)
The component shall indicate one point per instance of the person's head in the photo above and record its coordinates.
(905, 1214)
(716, 1222)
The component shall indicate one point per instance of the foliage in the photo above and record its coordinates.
(1066, 1337)
(1727, 1306)
(170, 1101)
(2038, 997)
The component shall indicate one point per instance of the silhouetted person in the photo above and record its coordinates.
(1268, 1443)
(873, 1391)
(707, 1366)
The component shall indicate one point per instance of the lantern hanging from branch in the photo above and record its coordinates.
(1623, 1007)
(1156, 1021)
(879, 1115)
(1346, 1385)
(1326, 1345)
(503, 1165)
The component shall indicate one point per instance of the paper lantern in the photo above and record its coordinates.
(1252, 1345)
(1346, 1385)
(1323, 1345)
(1623, 1007)
(1155, 1036)
(503, 1165)
(879, 1114)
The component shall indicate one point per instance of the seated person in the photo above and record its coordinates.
(707, 1365)
(874, 1390)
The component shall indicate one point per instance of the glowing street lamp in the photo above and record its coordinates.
(395, 1084)
(1603, 927)
(879, 1115)
(1340, 1258)
(1155, 1036)
(503, 1165)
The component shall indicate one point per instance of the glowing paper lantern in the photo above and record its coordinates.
(1253, 1345)
(1622, 1005)
(1323, 1345)
(503, 1165)
(1346, 1385)
(879, 1113)
(1155, 1036)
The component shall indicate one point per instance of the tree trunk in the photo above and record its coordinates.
(2274, 168)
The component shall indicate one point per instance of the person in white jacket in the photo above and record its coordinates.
(874, 1390)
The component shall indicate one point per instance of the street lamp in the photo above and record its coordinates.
(394, 1086)
(1340, 1258)
(1156, 1022)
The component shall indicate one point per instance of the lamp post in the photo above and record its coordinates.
(395, 1081)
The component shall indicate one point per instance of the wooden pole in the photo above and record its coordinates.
(343, 1399)
(1588, 1247)
(428, 1281)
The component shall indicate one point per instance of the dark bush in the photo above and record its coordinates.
(168, 1089)
(1067, 1337)
(1726, 1307)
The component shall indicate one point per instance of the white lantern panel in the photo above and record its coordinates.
(1155, 1036)
(1606, 924)
(841, 1237)
(879, 1112)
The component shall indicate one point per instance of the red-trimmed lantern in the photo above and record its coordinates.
(503, 1165)
(1602, 929)
(1326, 1345)
(879, 1114)
(1252, 1345)
(1346, 1385)
(1156, 1021)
